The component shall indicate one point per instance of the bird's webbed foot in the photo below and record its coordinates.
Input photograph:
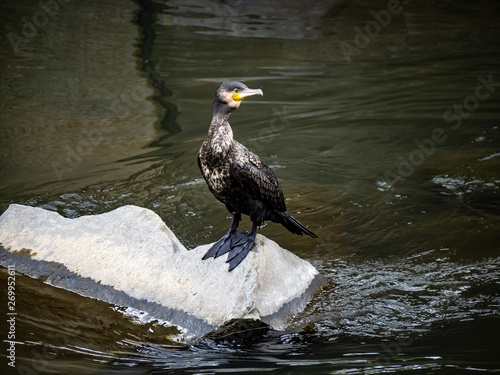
(221, 247)
(226, 244)
(236, 243)
(240, 248)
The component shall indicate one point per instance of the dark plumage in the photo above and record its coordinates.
(240, 179)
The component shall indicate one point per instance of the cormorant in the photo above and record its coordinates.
(240, 179)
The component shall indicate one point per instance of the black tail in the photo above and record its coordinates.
(295, 226)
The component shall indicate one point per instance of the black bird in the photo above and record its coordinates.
(240, 179)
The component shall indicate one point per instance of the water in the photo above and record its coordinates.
(107, 104)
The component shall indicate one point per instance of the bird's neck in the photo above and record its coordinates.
(220, 134)
(221, 111)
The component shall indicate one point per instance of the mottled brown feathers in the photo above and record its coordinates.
(251, 172)
(236, 176)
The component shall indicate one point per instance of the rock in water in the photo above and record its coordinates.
(129, 257)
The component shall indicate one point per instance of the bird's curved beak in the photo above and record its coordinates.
(242, 94)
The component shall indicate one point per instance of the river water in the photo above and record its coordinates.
(380, 119)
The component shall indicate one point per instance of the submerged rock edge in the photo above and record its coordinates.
(57, 275)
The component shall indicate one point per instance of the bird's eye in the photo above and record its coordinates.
(236, 90)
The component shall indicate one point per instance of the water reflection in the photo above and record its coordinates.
(108, 104)
(69, 102)
(241, 19)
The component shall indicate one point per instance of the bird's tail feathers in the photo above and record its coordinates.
(295, 226)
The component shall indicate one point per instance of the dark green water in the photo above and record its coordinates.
(381, 120)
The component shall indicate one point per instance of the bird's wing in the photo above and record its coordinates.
(256, 177)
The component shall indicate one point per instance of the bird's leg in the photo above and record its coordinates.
(225, 243)
(241, 249)
(235, 222)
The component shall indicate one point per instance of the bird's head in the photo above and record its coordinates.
(231, 93)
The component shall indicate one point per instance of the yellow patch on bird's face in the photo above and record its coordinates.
(236, 96)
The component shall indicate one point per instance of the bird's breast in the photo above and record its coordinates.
(217, 178)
